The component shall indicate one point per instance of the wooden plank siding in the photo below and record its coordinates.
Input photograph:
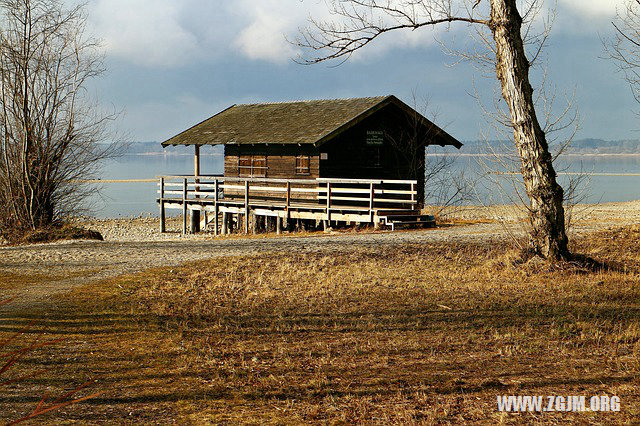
(280, 163)
(280, 160)
(378, 147)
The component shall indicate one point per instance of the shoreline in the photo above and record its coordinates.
(586, 216)
(446, 154)
(591, 154)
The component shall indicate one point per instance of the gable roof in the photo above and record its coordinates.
(301, 122)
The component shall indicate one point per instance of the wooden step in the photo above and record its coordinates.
(386, 213)
(411, 224)
(412, 218)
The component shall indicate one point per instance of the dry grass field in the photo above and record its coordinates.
(428, 333)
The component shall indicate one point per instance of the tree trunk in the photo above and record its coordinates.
(548, 237)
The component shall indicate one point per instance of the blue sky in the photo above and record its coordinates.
(173, 63)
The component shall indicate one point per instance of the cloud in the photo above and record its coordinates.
(604, 9)
(271, 24)
(162, 33)
(264, 37)
(142, 31)
(170, 33)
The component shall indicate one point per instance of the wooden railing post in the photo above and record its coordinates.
(372, 194)
(413, 195)
(216, 209)
(163, 228)
(184, 206)
(288, 200)
(329, 202)
(246, 206)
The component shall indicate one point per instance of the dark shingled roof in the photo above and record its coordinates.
(301, 122)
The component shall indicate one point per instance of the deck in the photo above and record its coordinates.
(227, 203)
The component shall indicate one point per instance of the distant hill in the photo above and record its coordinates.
(156, 148)
(581, 146)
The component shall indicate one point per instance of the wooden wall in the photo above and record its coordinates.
(281, 160)
(370, 149)
(357, 154)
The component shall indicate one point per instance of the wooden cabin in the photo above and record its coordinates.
(361, 138)
(373, 146)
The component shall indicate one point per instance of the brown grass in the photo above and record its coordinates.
(423, 334)
(50, 234)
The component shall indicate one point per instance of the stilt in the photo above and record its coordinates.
(195, 214)
(246, 207)
(194, 222)
(216, 209)
(255, 223)
(184, 207)
(225, 227)
(231, 224)
(163, 224)
(278, 225)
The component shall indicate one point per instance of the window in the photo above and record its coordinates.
(259, 166)
(244, 166)
(303, 165)
(252, 166)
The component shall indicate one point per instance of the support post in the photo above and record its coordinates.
(195, 214)
(163, 226)
(184, 206)
(225, 228)
(254, 221)
(278, 225)
(246, 206)
(216, 209)
(372, 194)
(288, 199)
(413, 196)
(329, 202)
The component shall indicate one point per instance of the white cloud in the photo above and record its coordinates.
(145, 32)
(169, 33)
(594, 8)
(273, 24)
(264, 37)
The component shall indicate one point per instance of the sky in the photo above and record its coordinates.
(171, 64)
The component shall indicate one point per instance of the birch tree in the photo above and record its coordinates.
(49, 128)
(360, 22)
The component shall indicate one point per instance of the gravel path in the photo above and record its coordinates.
(135, 244)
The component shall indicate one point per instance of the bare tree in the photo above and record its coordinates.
(438, 184)
(50, 131)
(625, 49)
(362, 21)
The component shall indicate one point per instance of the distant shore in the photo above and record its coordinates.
(444, 154)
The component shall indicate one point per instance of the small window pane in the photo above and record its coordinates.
(259, 166)
(303, 164)
(244, 166)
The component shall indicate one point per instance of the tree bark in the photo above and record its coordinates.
(546, 213)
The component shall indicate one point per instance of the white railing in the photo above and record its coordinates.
(365, 196)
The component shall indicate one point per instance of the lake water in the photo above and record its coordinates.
(133, 199)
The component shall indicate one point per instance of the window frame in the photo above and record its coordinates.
(252, 166)
(303, 170)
